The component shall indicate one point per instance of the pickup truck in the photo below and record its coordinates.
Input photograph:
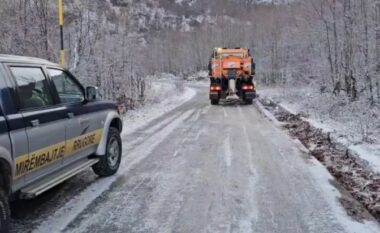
(51, 129)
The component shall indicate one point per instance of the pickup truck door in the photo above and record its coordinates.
(6, 146)
(20, 150)
(82, 132)
(44, 123)
(12, 127)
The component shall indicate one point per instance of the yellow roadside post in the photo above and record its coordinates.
(60, 17)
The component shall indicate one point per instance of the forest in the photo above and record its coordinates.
(329, 45)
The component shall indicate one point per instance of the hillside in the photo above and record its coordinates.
(118, 42)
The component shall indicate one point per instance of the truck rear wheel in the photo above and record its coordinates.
(4, 213)
(214, 102)
(110, 162)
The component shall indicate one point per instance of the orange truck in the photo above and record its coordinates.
(231, 74)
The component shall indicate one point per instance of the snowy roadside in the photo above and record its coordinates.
(163, 98)
(355, 130)
(165, 94)
(348, 168)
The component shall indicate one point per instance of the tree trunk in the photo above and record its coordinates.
(377, 26)
(347, 65)
(367, 75)
(337, 87)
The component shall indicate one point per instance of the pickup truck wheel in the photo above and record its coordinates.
(4, 213)
(110, 163)
(214, 102)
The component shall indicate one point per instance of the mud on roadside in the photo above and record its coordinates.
(349, 171)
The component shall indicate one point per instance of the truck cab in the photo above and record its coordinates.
(51, 128)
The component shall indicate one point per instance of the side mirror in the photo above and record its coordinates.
(91, 93)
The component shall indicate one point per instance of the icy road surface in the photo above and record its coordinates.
(202, 168)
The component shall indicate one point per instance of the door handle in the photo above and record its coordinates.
(70, 115)
(35, 123)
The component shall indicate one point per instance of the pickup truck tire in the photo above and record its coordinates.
(4, 213)
(214, 102)
(110, 162)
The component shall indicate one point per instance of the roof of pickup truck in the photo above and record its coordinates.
(22, 59)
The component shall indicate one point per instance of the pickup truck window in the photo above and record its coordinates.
(33, 87)
(68, 90)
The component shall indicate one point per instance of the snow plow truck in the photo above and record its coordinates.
(231, 73)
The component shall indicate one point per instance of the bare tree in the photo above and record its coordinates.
(377, 42)
(364, 9)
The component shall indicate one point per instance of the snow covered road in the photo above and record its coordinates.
(203, 168)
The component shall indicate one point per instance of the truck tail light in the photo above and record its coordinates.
(248, 87)
(215, 88)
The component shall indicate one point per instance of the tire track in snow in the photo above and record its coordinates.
(189, 137)
(64, 216)
(247, 223)
(126, 193)
(227, 149)
(146, 133)
(161, 125)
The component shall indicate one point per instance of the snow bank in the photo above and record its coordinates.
(332, 195)
(163, 98)
(353, 125)
(369, 153)
(350, 173)
(198, 76)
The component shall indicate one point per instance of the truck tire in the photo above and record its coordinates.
(214, 102)
(5, 215)
(110, 162)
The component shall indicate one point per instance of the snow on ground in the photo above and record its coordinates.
(237, 191)
(332, 195)
(198, 76)
(352, 125)
(309, 141)
(370, 153)
(221, 184)
(163, 98)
